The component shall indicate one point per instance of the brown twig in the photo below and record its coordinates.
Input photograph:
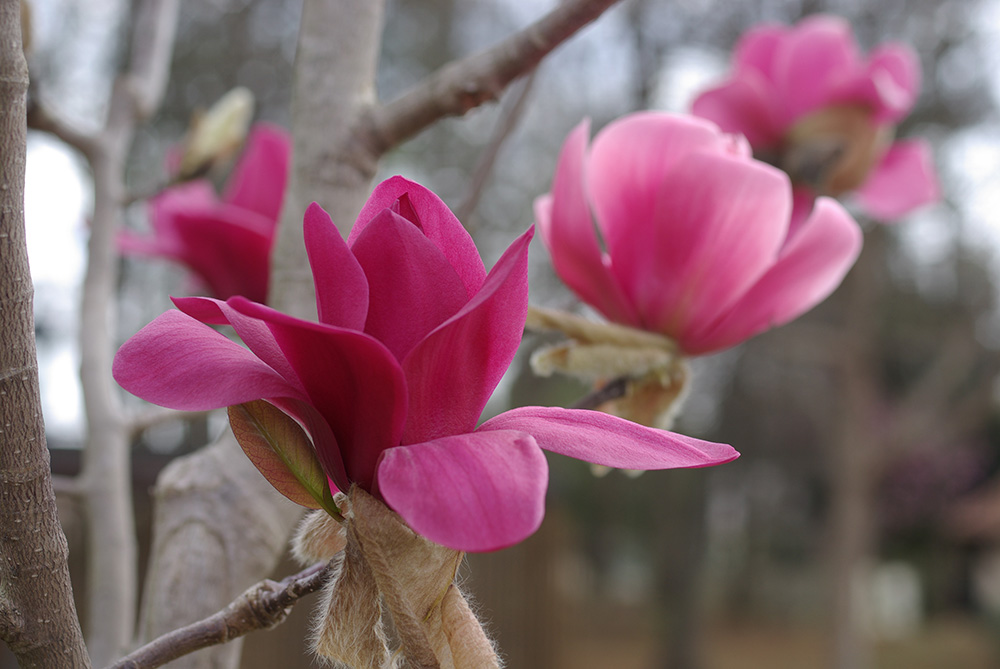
(261, 607)
(508, 121)
(611, 390)
(468, 83)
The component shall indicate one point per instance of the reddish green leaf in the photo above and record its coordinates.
(282, 452)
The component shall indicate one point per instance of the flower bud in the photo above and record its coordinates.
(216, 134)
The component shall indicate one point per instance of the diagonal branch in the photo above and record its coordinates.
(261, 607)
(468, 83)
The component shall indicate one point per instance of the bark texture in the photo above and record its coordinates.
(37, 615)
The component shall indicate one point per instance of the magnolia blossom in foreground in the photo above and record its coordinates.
(413, 336)
(809, 101)
(695, 240)
(225, 242)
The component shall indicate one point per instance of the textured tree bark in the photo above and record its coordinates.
(37, 615)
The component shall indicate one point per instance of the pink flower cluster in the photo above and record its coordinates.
(225, 242)
(413, 336)
(807, 99)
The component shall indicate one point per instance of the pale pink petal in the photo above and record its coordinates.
(351, 379)
(607, 440)
(259, 178)
(815, 57)
(888, 85)
(904, 180)
(179, 363)
(341, 286)
(712, 230)
(757, 49)
(567, 228)
(743, 105)
(812, 265)
(631, 165)
(471, 492)
(452, 373)
(412, 286)
(430, 214)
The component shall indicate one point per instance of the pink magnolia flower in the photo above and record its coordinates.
(698, 240)
(225, 242)
(807, 100)
(413, 336)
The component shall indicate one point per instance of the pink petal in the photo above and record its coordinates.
(452, 373)
(179, 363)
(259, 178)
(352, 380)
(710, 230)
(742, 105)
(341, 286)
(757, 50)
(471, 492)
(226, 249)
(412, 285)
(812, 265)
(254, 332)
(430, 214)
(904, 180)
(815, 56)
(567, 228)
(888, 85)
(608, 440)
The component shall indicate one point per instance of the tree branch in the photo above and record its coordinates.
(468, 83)
(612, 390)
(153, 416)
(261, 607)
(37, 615)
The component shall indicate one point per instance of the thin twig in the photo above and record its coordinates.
(504, 128)
(611, 390)
(468, 83)
(261, 607)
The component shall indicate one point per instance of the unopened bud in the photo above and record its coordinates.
(217, 134)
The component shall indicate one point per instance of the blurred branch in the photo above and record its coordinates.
(37, 615)
(44, 120)
(261, 607)
(468, 83)
(153, 416)
(612, 390)
(508, 121)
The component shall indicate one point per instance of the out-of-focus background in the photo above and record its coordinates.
(868, 428)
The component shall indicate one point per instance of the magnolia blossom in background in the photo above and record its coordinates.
(225, 242)
(808, 101)
(413, 337)
(694, 238)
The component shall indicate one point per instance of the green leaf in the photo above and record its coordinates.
(282, 451)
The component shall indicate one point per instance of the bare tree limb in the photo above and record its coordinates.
(261, 607)
(468, 83)
(37, 615)
(44, 120)
(612, 390)
(153, 416)
(106, 470)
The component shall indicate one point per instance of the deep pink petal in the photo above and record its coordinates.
(254, 332)
(341, 287)
(323, 439)
(814, 58)
(744, 105)
(904, 180)
(434, 218)
(812, 265)
(471, 492)
(713, 228)
(258, 181)
(452, 373)
(413, 288)
(351, 378)
(567, 228)
(179, 363)
(226, 249)
(607, 440)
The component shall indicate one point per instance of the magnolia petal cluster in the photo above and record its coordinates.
(694, 239)
(413, 336)
(807, 99)
(224, 241)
